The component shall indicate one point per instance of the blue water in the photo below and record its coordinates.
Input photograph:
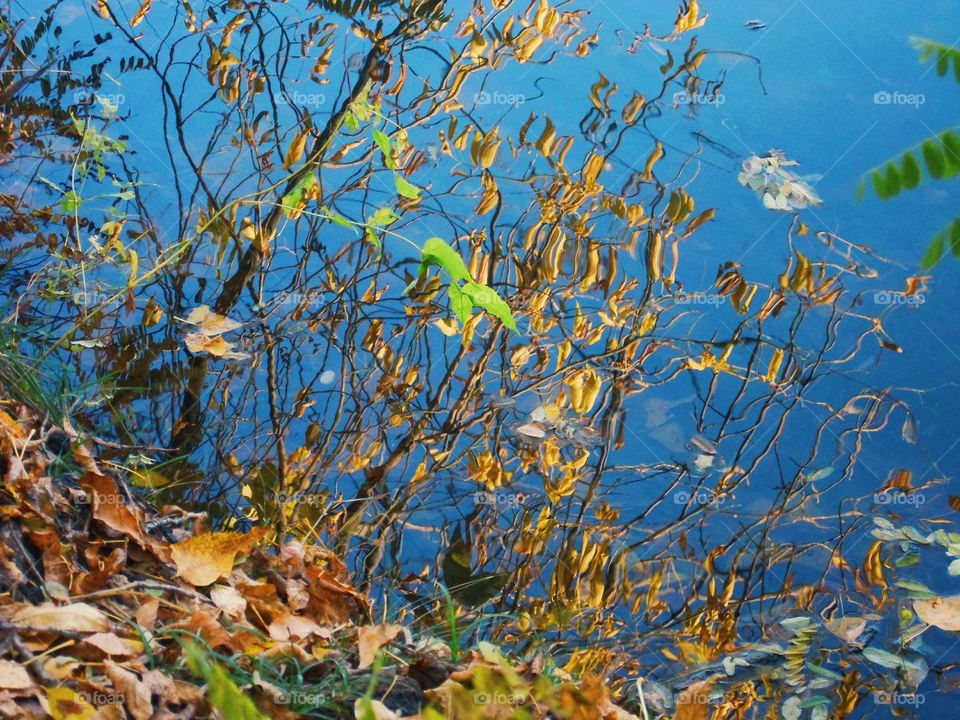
(827, 69)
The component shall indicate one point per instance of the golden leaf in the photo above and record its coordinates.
(370, 638)
(204, 559)
(75, 617)
(210, 323)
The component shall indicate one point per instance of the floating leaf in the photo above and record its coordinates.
(210, 323)
(943, 612)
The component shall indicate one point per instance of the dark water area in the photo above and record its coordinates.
(690, 500)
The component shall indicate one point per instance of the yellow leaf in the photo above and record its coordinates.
(370, 638)
(210, 323)
(65, 704)
(204, 559)
(75, 617)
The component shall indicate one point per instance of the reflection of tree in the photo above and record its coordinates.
(421, 413)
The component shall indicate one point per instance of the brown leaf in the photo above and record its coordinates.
(14, 677)
(370, 638)
(216, 346)
(204, 559)
(228, 600)
(379, 710)
(75, 617)
(944, 612)
(210, 323)
(294, 627)
(135, 694)
(109, 508)
(109, 644)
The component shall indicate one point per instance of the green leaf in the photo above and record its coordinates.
(336, 218)
(860, 191)
(70, 202)
(460, 303)
(383, 217)
(943, 63)
(892, 179)
(350, 120)
(934, 252)
(934, 159)
(951, 149)
(291, 201)
(222, 693)
(955, 238)
(879, 185)
(911, 171)
(383, 142)
(487, 298)
(436, 252)
(406, 189)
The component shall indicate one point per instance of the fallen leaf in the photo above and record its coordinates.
(13, 676)
(109, 644)
(848, 628)
(210, 323)
(370, 638)
(204, 559)
(76, 617)
(943, 612)
(228, 600)
(365, 709)
(136, 695)
(216, 346)
(65, 704)
(294, 627)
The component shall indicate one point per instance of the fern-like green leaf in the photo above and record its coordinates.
(934, 252)
(911, 171)
(892, 178)
(933, 157)
(945, 55)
